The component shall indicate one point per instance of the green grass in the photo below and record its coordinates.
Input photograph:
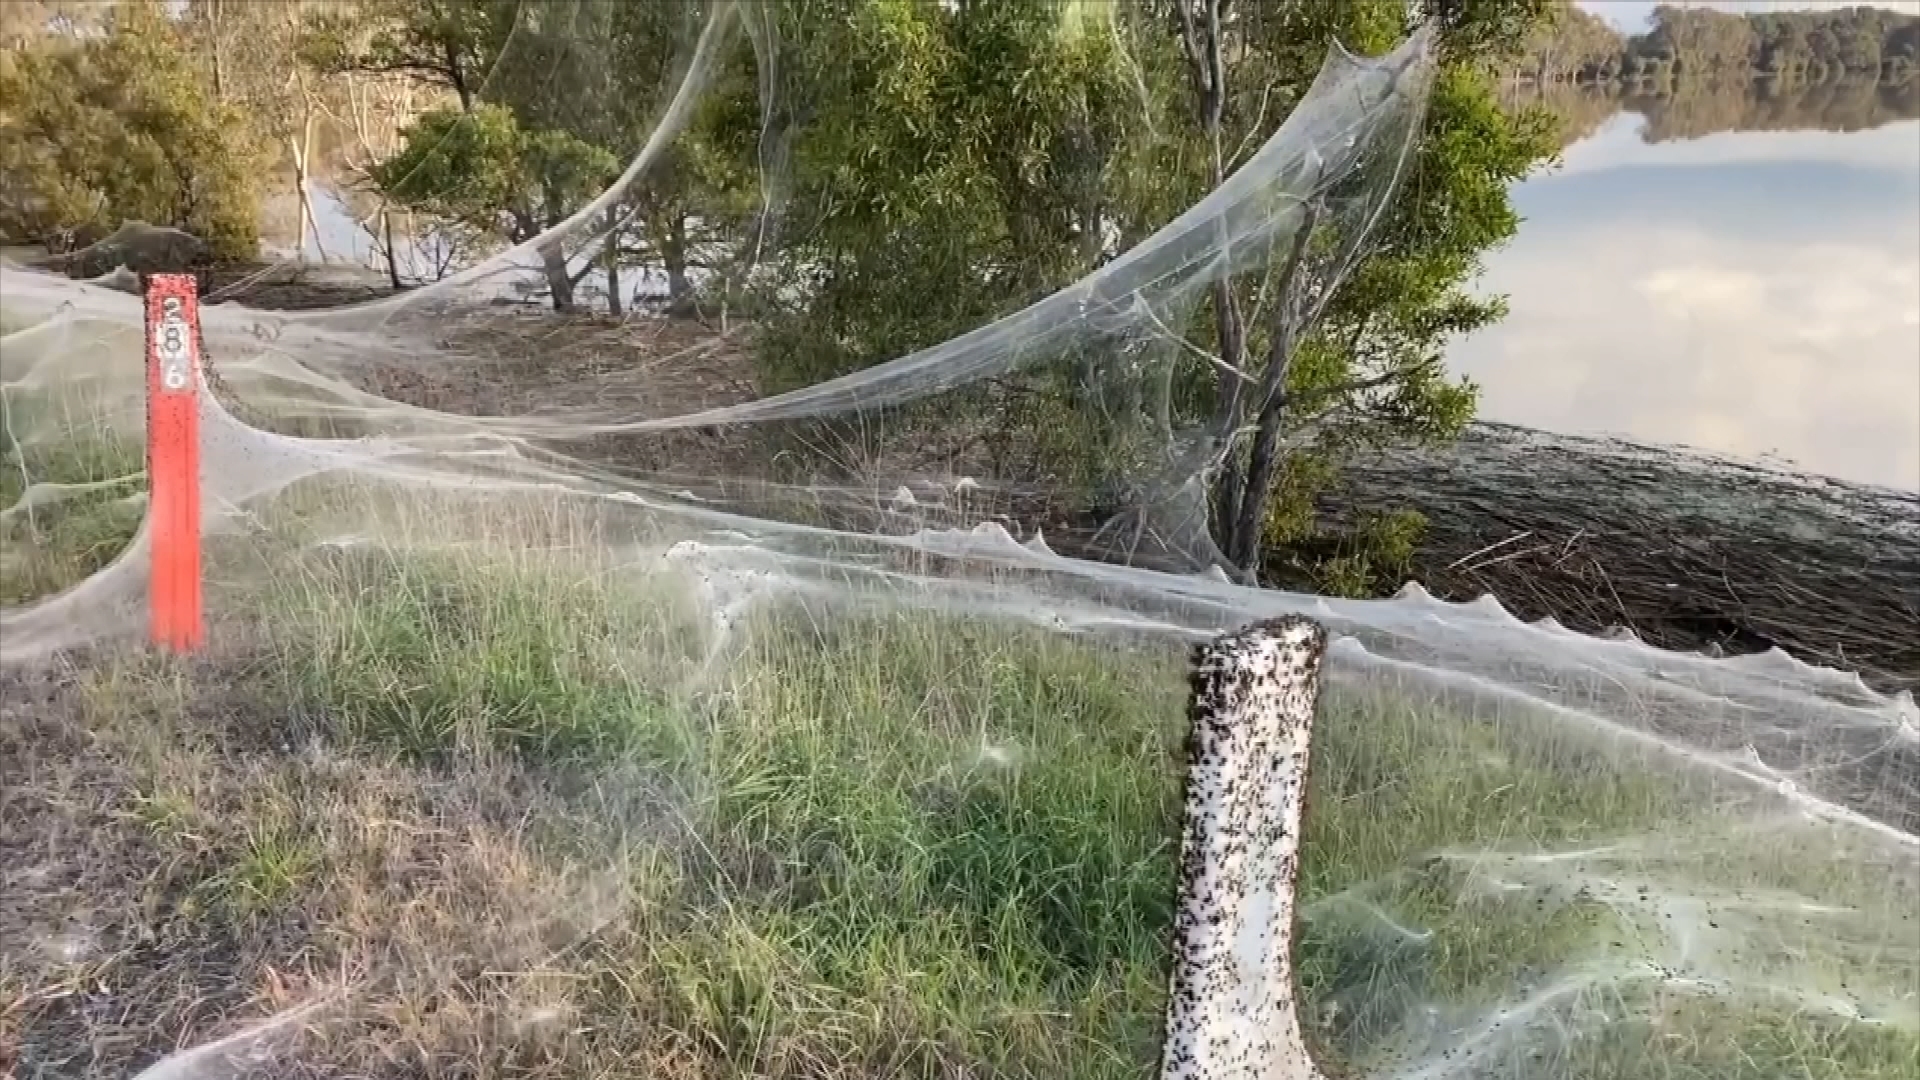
(541, 825)
(72, 494)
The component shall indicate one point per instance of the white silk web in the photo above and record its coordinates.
(1691, 847)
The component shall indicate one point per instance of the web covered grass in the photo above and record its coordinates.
(72, 494)
(527, 813)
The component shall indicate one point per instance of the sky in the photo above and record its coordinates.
(1632, 15)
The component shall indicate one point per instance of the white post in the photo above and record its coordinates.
(1232, 1013)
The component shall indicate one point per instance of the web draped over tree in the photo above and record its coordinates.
(1058, 467)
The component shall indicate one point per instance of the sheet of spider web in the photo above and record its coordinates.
(1780, 882)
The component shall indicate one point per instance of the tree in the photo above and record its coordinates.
(573, 74)
(256, 56)
(1859, 42)
(101, 129)
(949, 165)
(601, 70)
(1570, 44)
(1376, 369)
(447, 43)
(479, 169)
(1362, 362)
(957, 161)
(480, 166)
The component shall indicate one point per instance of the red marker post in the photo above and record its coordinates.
(173, 460)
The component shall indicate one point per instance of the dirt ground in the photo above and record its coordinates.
(525, 360)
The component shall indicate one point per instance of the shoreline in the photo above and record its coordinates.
(1689, 550)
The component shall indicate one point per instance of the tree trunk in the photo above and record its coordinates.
(1202, 45)
(553, 254)
(1228, 391)
(219, 58)
(393, 262)
(298, 154)
(300, 150)
(1263, 463)
(457, 74)
(616, 303)
(674, 254)
(1244, 540)
(554, 260)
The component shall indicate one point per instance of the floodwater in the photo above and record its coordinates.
(1688, 278)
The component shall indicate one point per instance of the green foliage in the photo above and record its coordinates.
(604, 71)
(565, 171)
(1371, 555)
(101, 130)
(1387, 543)
(482, 170)
(1372, 370)
(447, 43)
(1290, 511)
(966, 159)
(586, 80)
(1570, 42)
(1379, 364)
(464, 167)
(952, 167)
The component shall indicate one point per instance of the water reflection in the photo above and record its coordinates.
(1733, 270)
(1689, 109)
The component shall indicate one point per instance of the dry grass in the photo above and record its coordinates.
(169, 877)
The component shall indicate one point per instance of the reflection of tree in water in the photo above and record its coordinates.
(1695, 109)
(1579, 107)
(1690, 108)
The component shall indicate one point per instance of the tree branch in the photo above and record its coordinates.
(1280, 348)
(398, 67)
(1190, 43)
(1217, 75)
(1396, 375)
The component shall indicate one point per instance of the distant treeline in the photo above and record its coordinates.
(1813, 46)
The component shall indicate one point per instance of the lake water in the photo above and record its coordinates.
(1754, 293)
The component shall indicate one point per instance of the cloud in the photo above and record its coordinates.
(1750, 345)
